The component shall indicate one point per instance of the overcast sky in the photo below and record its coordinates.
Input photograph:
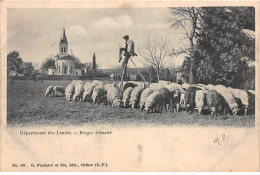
(36, 33)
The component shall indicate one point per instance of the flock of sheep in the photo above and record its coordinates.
(154, 97)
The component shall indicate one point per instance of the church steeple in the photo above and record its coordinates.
(63, 45)
(63, 39)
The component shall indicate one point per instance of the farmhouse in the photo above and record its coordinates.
(64, 63)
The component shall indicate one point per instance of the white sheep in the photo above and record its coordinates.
(70, 89)
(87, 85)
(251, 91)
(229, 98)
(79, 89)
(155, 86)
(182, 99)
(154, 102)
(185, 86)
(107, 86)
(121, 84)
(144, 96)
(220, 86)
(201, 86)
(210, 87)
(176, 93)
(87, 94)
(74, 82)
(200, 100)
(139, 83)
(164, 83)
(97, 82)
(80, 82)
(88, 90)
(174, 86)
(114, 97)
(127, 95)
(49, 91)
(135, 95)
(98, 94)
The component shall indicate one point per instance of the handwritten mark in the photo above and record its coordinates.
(220, 140)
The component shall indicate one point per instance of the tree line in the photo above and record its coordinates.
(16, 63)
(221, 45)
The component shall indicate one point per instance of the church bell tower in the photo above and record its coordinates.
(63, 45)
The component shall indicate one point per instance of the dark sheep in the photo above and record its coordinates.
(127, 85)
(214, 102)
(176, 94)
(189, 98)
(251, 95)
(167, 98)
(39, 78)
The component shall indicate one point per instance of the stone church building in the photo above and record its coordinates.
(64, 63)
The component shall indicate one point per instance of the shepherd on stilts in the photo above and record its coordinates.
(128, 53)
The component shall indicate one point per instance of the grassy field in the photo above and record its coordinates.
(27, 106)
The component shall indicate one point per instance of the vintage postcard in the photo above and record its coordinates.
(129, 86)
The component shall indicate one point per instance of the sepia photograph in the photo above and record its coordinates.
(179, 77)
(163, 66)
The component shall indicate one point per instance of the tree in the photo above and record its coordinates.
(188, 20)
(49, 62)
(94, 64)
(78, 63)
(154, 52)
(13, 61)
(222, 46)
(166, 74)
(27, 71)
(25, 68)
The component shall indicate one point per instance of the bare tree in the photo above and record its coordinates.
(154, 52)
(188, 20)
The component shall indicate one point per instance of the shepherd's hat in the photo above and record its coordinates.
(126, 37)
